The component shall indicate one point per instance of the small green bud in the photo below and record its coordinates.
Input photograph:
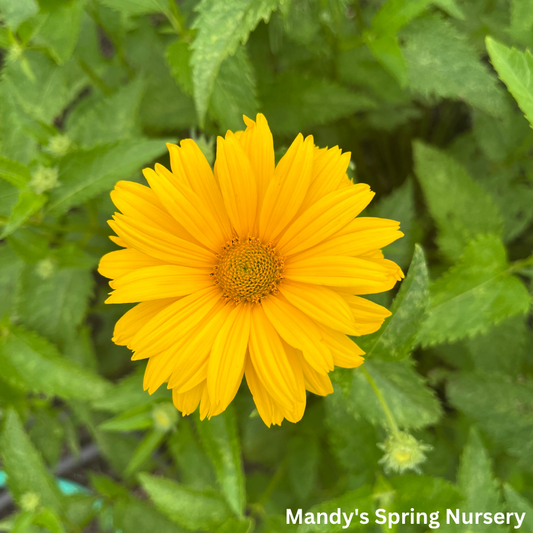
(403, 452)
(44, 179)
(45, 268)
(165, 416)
(30, 501)
(59, 145)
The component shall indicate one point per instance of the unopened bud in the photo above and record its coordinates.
(165, 416)
(44, 179)
(30, 501)
(59, 145)
(403, 452)
(45, 268)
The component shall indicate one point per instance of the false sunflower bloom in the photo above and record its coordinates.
(254, 270)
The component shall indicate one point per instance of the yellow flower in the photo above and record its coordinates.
(255, 270)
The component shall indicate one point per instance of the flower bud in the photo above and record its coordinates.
(165, 416)
(30, 501)
(44, 179)
(59, 145)
(403, 452)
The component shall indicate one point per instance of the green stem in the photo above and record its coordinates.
(95, 78)
(359, 15)
(176, 18)
(390, 419)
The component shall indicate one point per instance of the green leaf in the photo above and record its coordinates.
(356, 499)
(514, 69)
(234, 92)
(293, 102)
(133, 419)
(386, 50)
(221, 27)
(24, 465)
(461, 208)
(521, 16)
(53, 304)
(302, 460)
(60, 30)
(14, 172)
(192, 509)
(148, 445)
(106, 120)
(28, 203)
(221, 442)
(11, 267)
(31, 360)
(443, 64)
(136, 7)
(518, 504)
(30, 244)
(397, 336)
(476, 480)
(14, 13)
(473, 295)
(500, 407)
(236, 525)
(395, 14)
(47, 433)
(178, 56)
(413, 405)
(85, 174)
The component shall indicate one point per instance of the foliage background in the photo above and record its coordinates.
(90, 90)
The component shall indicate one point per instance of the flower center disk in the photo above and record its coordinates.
(248, 271)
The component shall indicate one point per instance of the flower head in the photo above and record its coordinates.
(254, 270)
(403, 452)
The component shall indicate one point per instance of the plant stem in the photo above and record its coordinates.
(390, 419)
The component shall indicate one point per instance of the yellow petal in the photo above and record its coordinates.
(162, 245)
(118, 241)
(258, 144)
(368, 315)
(270, 360)
(341, 271)
(174, 322)
(121, 262)
(187, 402)
(329, 170)
(238, 184)
(189, 162)
(321, 304)
(287, 189)
(130, 323)
(299, 331)
(187, 208)
(360, 236)
(324, 218)
(262, 399)
(346, 353)
(156, 282)
(226, 363)
(192, 359)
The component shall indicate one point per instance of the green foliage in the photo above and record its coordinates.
(514, 68)
(90, 92)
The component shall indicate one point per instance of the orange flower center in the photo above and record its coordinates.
(248, 271)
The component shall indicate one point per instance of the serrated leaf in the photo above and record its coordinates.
(106, 120)
(221, 442)
(28, 203)
(294, 102)
(221, 27)
(397, 336)
(193, 509)
(476, 480)
(356, 499)
(86, 173)
(24, 465)
(521, 16)
(31, 360)
(11, 267)
(461, 208)
(14, 172)
(501, 407)
(60, 29)
(178, 56)
(515, 69)
(473, 295)
(234, 92)
(136, 7)
(53, 304)
(412, 403)
(133, 419)
(518, 504)
(442, 64)
(14, 13)
(30, 244)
